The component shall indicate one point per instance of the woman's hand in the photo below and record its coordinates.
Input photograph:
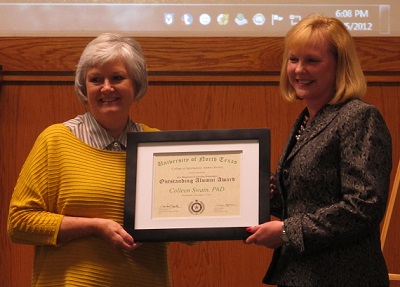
(115, 235)
(110, 231)
(267, 234)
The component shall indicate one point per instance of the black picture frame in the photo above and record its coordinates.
(255, 141)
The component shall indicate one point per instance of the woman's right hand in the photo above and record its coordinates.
(115, 235)
(267, 234)
(110, 231)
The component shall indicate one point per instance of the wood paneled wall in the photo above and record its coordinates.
(195, 83)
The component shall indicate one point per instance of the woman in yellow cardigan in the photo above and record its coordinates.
(68, 200)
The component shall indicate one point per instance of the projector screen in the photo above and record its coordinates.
(220, 18)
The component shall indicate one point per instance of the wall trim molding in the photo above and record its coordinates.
(181, 77)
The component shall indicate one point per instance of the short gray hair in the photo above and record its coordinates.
(107, 47)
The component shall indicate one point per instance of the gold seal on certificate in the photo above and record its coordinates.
(207, 183)
(196, 207)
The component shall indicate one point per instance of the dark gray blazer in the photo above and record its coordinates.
(333, 185)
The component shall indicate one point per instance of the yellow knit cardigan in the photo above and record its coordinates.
(64, 176)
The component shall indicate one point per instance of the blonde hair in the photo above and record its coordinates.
(350, 80)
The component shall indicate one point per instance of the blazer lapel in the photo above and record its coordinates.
(322, 119)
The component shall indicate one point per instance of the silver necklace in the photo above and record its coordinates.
(302, 127)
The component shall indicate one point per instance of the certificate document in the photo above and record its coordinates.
(196, 184)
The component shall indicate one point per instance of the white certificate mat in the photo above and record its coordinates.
(197, 184)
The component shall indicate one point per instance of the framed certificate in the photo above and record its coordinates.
(196, 185)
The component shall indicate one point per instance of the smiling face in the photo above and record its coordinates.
(311, 71)
(110, 94)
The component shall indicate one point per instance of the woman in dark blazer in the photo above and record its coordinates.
(333, 177)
